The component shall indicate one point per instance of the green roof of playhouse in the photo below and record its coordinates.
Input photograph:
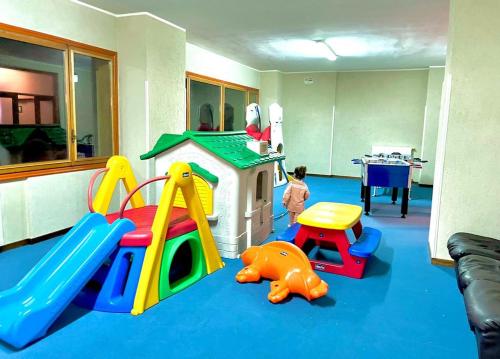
(229, 146)
(210, 177)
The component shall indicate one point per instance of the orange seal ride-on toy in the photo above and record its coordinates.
(288, 268)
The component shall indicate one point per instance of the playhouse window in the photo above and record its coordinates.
(58, 104)
(205, 193)
(261, 190)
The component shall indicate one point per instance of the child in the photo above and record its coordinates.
(295, 194)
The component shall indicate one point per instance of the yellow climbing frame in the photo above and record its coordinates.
(181, 177)
(119, 169)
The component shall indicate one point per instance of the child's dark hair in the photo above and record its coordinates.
(300, 172)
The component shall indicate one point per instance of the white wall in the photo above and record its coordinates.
(152, 94)
(61, 18)
(271, 91)
(431, 122)
(377, 108)
(308, 112)
(204, 62)
(467, 193)
(339, 116)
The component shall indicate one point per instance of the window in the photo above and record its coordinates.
(204, 106)
(261, 189)
(234, 110)
(92, 92)
(214, 105)
(51, 121)
(253, 97)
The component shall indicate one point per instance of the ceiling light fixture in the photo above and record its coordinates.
(326, 50)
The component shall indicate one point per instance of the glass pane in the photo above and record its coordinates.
(234, 110)
(253, 97)
(204, 108)
(26, 108)
(94, 115)
(46, 111)
(33, 124)
(6, 111)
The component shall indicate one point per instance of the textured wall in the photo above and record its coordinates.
(166, 66)
(132, 56)
(307, 120)
(431, 122)
(61, 18)
(271, 91)
(468, 198)
(365, 108)
(377, 108)
(204, 62)
(152, 62)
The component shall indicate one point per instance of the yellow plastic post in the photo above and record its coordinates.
(147, 293)
(195, 209)
(119, 169)
(205, 192)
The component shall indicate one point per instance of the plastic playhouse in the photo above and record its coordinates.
(119, 262)
(234, 183)
(323, 226)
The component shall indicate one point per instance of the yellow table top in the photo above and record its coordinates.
(330, 215)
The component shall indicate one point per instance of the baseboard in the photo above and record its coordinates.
(346, 177)
(14, 245)
(425, 185)
(328, 176)
(48, 236)
(356, 177)
(24, 242)
(439, 261)
(442, 262)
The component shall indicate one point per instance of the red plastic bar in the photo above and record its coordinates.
(90, 196)
(131, 193)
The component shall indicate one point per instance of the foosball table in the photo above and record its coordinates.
(388, 167)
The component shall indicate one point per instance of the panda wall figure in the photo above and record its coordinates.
(254, 126)
(277, 143)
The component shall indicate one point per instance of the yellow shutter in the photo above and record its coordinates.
(205, 193)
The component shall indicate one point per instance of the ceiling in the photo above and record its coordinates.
(280, 34)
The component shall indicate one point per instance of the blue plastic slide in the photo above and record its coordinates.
(28, 309)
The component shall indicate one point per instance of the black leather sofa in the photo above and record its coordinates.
(477, 264)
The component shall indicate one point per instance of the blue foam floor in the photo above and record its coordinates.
(403, 308)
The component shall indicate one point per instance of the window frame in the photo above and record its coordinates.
(69, 48)
(223, 85)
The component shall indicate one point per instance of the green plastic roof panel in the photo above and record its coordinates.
(229, 146)
(210, 177)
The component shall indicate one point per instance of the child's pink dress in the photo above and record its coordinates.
(294, 197)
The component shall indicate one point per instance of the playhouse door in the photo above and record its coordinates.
(259, 205)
